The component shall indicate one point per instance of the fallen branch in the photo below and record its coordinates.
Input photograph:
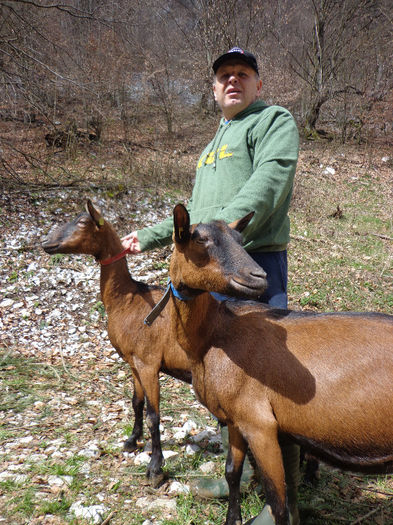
(374, 490)
(108, 518)
(65, 367)
(9, 169)
(143, 146)
(301, 238)
(385, 237)
(362, 518)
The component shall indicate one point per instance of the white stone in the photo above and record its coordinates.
(17, 305)
(85, 469)
(179, 435)
(20, 478)
(26, 440)
(60, 481)
(192, 449)
(208, 468)
(90, 452)
(189, 425)
(178, 488)
(164, 504)
(205, 434)
(37, 457)
(6, 303)
(17, 478)
(142, 459)
(15, 467)
(94, 513)
(168, 454)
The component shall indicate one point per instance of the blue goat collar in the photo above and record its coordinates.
(149, 319)
(177, 294)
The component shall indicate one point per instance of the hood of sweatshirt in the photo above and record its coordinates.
(252, 108)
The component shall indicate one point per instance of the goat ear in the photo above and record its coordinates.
(181, 223)
(241, 223)
(94, 214)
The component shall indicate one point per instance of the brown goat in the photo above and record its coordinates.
(127, 302)
(322, 380)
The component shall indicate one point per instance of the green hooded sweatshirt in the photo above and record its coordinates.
(248, 166)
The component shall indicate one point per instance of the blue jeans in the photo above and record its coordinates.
(276, 267)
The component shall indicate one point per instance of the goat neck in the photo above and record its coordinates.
(115, 280)
(191, 322)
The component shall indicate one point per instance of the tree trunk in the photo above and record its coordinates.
(312, 114)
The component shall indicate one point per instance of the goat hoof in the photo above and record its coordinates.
(157, 479)
(130, 445)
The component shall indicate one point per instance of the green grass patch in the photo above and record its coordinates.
(340, 258)
(24, 381)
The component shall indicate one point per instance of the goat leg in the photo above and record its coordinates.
(138, 403)
(149, 377)
(267, 453)
(154, 470)
(233, 470)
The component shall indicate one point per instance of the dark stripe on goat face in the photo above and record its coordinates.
(218, 248)
(54, 243)
(211, 245)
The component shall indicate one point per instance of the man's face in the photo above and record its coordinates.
(236, 86)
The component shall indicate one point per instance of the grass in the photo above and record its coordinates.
(338, 498)
(337, 261)
(343, 261)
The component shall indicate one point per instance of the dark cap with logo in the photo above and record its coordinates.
(238, 53)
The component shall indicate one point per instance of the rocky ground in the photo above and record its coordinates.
(65, 401)
(53, 322)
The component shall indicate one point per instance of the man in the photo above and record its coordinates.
(248, 166)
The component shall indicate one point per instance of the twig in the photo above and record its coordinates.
(52, 368)
(362, 518)
(385, 237)
(108, 518)
(9, 169)
(37, 163)
(386, 266)
(143, 146)
(301, 238)
(64, 366)
(374, 490)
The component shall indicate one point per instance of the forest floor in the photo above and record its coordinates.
(65, 399)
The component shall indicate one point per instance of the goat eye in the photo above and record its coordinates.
(200, 240)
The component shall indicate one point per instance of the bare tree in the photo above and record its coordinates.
(329, 45)
(206, 28)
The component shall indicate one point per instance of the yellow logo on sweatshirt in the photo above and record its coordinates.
(211, 157)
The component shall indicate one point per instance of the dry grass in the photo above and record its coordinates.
(340, 258)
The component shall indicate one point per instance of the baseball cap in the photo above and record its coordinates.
(241, 54)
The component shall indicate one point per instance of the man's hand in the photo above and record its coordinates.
(131, 243)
